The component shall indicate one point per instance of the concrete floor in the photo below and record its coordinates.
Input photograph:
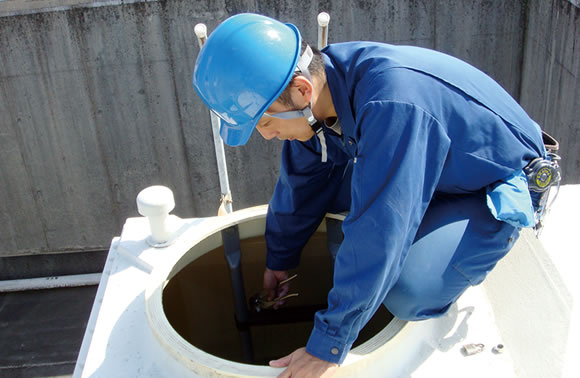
(41, 331)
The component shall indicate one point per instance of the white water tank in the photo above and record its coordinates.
(129, 334)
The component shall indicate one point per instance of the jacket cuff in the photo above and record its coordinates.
(327, 348)
(286, 261)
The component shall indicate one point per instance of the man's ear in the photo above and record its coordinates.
(304, 90)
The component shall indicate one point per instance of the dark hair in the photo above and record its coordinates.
(316, 68)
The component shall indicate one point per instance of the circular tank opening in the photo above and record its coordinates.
(198, 303)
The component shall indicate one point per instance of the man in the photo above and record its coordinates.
(424, 151)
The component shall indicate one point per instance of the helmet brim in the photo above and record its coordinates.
(239, 97)
(237, 135)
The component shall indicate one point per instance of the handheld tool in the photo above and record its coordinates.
(260, 301)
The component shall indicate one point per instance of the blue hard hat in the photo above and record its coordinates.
(244, 66)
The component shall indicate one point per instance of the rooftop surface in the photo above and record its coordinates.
(42, 330)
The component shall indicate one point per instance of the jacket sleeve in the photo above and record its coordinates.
(305, 189)
(401, 151)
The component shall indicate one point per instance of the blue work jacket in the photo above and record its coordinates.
(414, 122)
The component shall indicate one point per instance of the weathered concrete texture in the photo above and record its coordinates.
(96, 101)
(551, 76)
(97, 104)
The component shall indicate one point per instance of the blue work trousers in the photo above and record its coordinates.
(457, 244)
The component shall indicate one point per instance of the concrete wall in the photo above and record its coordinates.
(96, 100)
(551, 76)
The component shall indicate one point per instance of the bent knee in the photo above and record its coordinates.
(425, 298)
(414, 312)
(414, 306)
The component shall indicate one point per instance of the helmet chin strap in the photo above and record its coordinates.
(293, 114)
(302, 113)
(302, 68)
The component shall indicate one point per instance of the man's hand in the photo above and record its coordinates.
(271, 280)
(302, 364)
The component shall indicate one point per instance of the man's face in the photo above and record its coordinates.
(284, 129)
